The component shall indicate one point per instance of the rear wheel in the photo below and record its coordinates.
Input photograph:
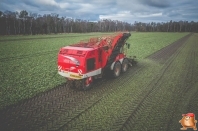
(87, 83)
(84, 84)
(116, 69)
(125, 65)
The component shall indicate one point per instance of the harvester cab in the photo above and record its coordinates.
(83, 62)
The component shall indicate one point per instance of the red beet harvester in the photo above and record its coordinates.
(83, 62)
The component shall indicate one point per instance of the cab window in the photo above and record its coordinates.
(90, 64)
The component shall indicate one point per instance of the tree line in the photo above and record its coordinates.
(24, 23)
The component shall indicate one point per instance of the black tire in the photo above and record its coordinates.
(117, 69)
(87, 83)
(125, 65)
(80, 84)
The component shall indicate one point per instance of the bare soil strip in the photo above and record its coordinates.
(166, 52)
(62, 108)
(138, 102)
(164, 112)
(59, 105)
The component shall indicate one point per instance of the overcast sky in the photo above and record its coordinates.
(123, 10)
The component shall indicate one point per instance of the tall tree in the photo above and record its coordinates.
(23, 15)
(32, 23)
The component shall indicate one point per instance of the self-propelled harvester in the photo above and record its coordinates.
(83, 62)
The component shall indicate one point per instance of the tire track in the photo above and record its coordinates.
(185, 88)
(140, 105)
(135, 106)
(166, 52)
(48, 102)
(167, 63)
(178, 93)
(62, 105)
(111, 90)
(77, 119)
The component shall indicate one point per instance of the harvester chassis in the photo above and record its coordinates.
(100, 57)
(80, 84)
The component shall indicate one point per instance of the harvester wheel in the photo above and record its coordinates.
(87, 83)
(116, 69)
(125, 65)
(84, 84)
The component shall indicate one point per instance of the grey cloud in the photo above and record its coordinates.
(124, 10)
(156, 3)
(31, 3)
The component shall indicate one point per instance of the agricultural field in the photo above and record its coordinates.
(151, 96)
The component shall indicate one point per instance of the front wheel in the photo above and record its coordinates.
(116, 69)
(125, 65)
(87, 83)
(84, 84)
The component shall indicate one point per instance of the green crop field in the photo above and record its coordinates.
(151, 96)
(28, 63)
